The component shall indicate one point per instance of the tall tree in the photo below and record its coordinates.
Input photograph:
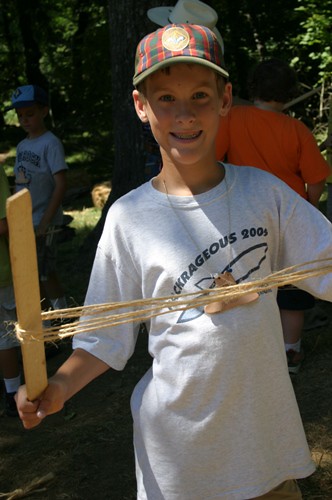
(128, 23)
(26, 10)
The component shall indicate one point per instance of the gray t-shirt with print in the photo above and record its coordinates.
(37, 160)
(215, 417)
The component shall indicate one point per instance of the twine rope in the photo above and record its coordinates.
(36, 486)
(94, 317)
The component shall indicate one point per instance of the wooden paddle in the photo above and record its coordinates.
(22, 247)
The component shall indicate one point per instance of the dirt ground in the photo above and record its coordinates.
(88, 446)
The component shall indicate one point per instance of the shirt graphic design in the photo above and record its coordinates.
(37, 161)
(238, 266)
(23, 173)
(23, 178)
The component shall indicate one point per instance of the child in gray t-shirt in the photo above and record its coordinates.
(40, 167)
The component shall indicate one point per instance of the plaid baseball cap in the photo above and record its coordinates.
(27, 95)
(178, 43)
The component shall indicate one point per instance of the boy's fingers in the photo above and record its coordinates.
(47, 407)
(29, 413)
(25, 405)
(41, 414)
(33, 412)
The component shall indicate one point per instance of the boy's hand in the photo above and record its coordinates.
(76, 372)
(41, 230)
(33, 412)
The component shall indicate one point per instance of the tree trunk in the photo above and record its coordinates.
(128, 24)
(32, 52)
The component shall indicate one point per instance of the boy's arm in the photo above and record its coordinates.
(314, 192)
(75, 373)
(55, 201)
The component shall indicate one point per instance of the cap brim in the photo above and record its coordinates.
(179, 59)
(160, 15)
(24, 104)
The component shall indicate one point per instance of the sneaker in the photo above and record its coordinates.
(10, 404)
(294, 360)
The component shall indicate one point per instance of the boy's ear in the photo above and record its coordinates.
(140, 106)
(45, 111)
(226, 100)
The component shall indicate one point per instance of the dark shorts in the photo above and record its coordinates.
(46, 253)
(7, 318)
(294, 299)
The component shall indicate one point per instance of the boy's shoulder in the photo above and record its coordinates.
(129, 209)
(133, 197)
(47, 137)
(255, 179)
(50, 137)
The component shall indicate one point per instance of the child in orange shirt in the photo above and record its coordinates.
(263, 136)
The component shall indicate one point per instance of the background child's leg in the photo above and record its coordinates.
(51, 288)
(292, 326)
(55, 292)
(10, 366)
(293, 303)
(9, 349)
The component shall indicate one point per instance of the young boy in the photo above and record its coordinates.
(9, 354)
(209, 418)
(284, 146)
(193, 12)
(40, 167)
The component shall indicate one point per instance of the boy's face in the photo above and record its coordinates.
(31, 119)
(183, 106)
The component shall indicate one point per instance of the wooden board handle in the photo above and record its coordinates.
(22, 247)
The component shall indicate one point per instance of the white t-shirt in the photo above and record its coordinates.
(215, 416)
(37, 160)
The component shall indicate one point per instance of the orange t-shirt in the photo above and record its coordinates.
(274, 142)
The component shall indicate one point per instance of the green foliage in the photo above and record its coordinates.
(315, 36)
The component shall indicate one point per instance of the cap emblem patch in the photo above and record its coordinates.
(17, 93)
(175, 39)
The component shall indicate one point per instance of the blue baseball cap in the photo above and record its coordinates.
(27, 95)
